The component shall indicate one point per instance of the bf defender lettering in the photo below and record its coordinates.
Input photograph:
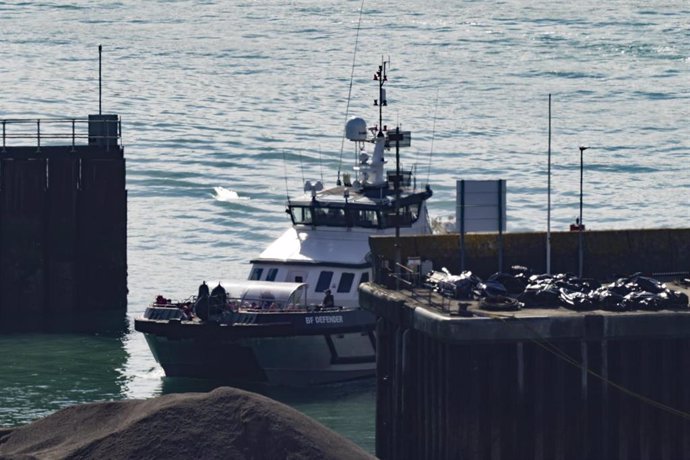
(323, 319)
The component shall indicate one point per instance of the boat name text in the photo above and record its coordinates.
(323, 319)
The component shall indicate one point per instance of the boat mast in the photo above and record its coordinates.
(377, 160)
(382, 78)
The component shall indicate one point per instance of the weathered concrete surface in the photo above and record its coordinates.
(438, 317)
(606, 252)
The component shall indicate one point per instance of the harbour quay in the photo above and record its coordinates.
(457, 379)
(63, 224)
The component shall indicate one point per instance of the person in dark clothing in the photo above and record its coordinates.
(328, 301)
(203, 290)
(217, 301)
(201, 308)
(219, 294)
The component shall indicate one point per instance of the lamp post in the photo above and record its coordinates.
(548, 200)
(581, 226)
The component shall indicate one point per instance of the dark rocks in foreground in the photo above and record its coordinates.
(226, 423)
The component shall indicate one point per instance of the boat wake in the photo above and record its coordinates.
(224, 194)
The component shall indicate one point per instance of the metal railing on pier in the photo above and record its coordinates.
(411, 281)
(101, 130)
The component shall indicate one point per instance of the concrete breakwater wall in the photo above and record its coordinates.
(533, 384)
(63, 226)
(605, 253)
(458, 381)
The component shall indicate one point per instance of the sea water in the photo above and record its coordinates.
(228, 106)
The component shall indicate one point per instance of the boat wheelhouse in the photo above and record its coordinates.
(327, 246)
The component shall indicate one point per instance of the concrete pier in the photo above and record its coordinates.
(532, 384)
(455, 381)
(63, 224)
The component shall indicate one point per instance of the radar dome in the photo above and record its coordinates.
(356, 129)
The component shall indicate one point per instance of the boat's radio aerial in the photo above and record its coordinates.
(369, 166)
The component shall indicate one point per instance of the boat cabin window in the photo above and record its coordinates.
(324, 281)
(364, 278)
(256, 274)
(366, 218)
(301, 215)
(334, 217)
(345, 283)
(271, 275)
(328, 216)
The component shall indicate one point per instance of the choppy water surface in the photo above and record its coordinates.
(215, 95)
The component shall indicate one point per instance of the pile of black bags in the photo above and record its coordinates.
(519, 288)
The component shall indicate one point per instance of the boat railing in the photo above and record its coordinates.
(101, 130)
(234, 305)
(164, 313)
(167, 309)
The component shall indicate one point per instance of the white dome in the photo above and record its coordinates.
(356, 129)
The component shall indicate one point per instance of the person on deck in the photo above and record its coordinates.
(328, 301)
(203, 290)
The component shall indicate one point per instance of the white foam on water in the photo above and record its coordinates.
(224, 194)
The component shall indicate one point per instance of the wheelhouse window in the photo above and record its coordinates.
(345, 283)
(256, 274)
(364, 278)
(324, 281)
(330, 216)
(271, 275)
(366, 218)
(336, 216)
(301, 215)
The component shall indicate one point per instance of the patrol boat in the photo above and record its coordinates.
(274, 327)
